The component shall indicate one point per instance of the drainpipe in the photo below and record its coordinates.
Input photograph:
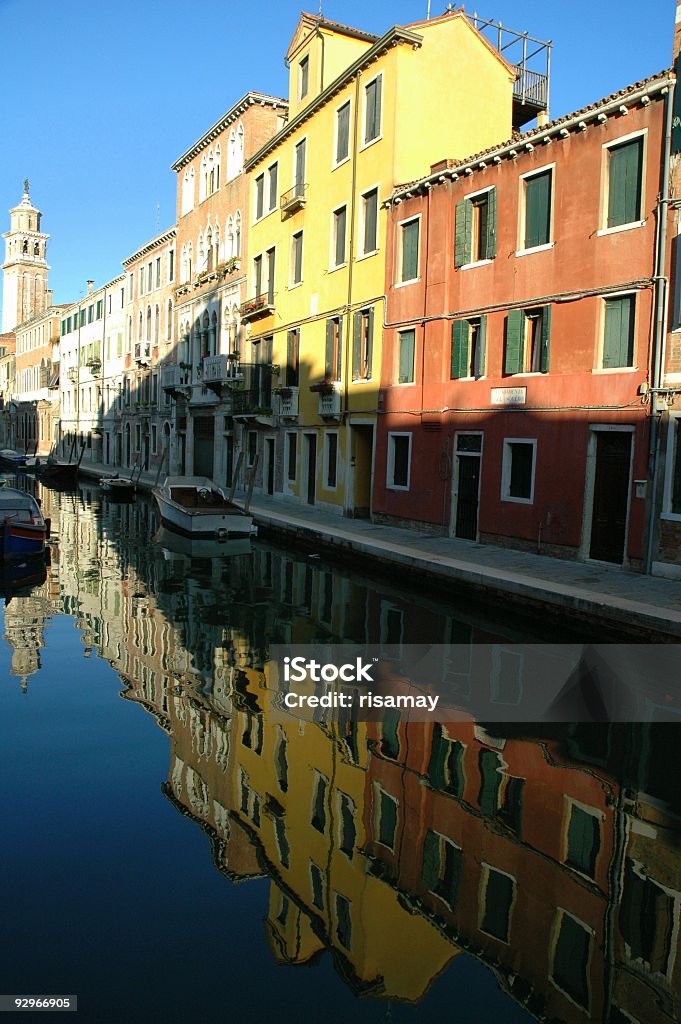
(659, 327)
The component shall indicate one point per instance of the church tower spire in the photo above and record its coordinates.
(24, 272)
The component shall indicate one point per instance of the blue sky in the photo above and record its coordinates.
(99, 99)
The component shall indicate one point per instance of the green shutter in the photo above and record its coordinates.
(624, 186)
(460, 343)
(387, 825)
(329, 369)
(370, 342)
(515, 328)
(356, 345)
(490, 781)
(343, 132)
(438, 758)
(618, 343)
(538, 210)
(430, 868)
(491, 244)
(545, 339)
(463, 233)
(482, 345)
(410, 251)
(406, 373)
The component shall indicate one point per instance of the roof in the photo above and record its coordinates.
(314, 21)
(559, 127)
(234, 112)
(391, 38)
(165, 236)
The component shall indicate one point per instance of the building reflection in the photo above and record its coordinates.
(550, 854)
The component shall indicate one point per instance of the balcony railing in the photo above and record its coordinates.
(221, 369)
(94, 366)
(174, 377)
(257, 307)
(294, 199)
(330, 404)
(289, 402)
(253, 394)
(143, 353)
(72, 374)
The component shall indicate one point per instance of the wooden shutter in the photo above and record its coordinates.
(370, 341)
(406, 371)
(491, 243)
(330, 369)
(356, 345)
(342, 144)
(463, 233)
(298, 257)
(482, 345)
(410, 250)
(460, 343)
(624, 185)
(618, 343)
(438, 758)
(430, 867)
(490, 781)
(545, 339)
(537, 210)
(515, 328)
(370, 221)
(300, 163)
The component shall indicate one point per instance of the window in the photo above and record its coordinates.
(347, 830)
(292, 358)
(406, 346)
(317, 883)
(625, 177)
(281, 761)
(399, 459)
(441, 867)
(618, 332)
(252, 447)
(489, 764)
(303, 78)
(370, 222)
(299, 168)
(646, 919)
(468, 348)
(445, 767)
(259, 196)
(150, 277)
(99, 309)
(257, 275)
(273, 174)
(297, 258)
(537, 190)
(528, 337)
(571, 959)
(90, 314)
(409, 250)
(583, 841)
(83, 314)
(386, 818)
(171, 264)
(343, 133)
(331, 459)
(362, 344)
(291, 459)
(517, 474)
(343, 921)
(270, 276)
(158, 272)
(498, 901)
(372, 110)
(476, 228)
(340, 217)
(319, 803)
(334, 348)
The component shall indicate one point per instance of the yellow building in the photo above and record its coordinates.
(366, 113)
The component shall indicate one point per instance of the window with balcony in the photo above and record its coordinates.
(624, 166)
(372, 110)
(476, 228)
(618, 332)
(468, 348)
(362, 343)
(369, 233)
(528, 340)
(334, 348)
(300, 156)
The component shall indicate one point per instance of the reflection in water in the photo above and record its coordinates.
(551, 855)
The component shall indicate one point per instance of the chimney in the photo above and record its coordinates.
(48, 297)
(90, 286)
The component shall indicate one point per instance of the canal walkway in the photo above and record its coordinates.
(644, 606)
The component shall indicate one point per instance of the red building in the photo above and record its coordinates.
(519, 332)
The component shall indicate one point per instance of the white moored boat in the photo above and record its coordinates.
(198, 507)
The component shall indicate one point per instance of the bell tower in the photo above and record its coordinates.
(24, 272)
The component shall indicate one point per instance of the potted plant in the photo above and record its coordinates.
(322, 387)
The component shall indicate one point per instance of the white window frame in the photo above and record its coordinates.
(506, 469)
(561, 912)
(470, 198)
(390, 469)
(378, 790)
(361, 254)
(399, 283)
(534, 173)
(603, 228)
(377, 138)
(334, 162)
(482, 900)
(599, 368)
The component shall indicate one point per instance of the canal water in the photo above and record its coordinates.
(169, 854)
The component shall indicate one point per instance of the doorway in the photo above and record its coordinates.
(466, 486)
(204, 446)
(362, 466)
(611, 480)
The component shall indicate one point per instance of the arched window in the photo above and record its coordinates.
(200, 254)
(190, 260)
(24, 248)
(36, 249)
(148, 323)
(216, 246)
(140, 326)
(209, 249)
(235, 152)
(157, 325)
(229, 238)
(217, 159)
(169, 327)
(203, 178)
(183, 265)
(188, 191)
